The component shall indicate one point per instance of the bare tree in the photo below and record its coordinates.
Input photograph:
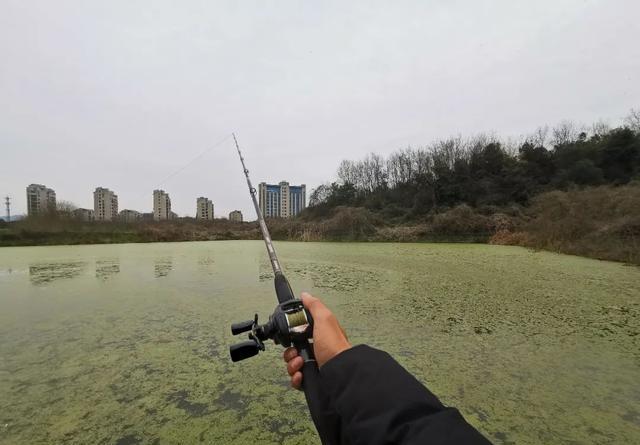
(632, 120)
(393, 169)
(565, 132)
(422, 162)
(447, 151)
(378, 171)
(539, 137)
(600, 128)
(347, 172)
(319, 195)
(65, 207)
(405, 163)
(359, 175)
(512, 145)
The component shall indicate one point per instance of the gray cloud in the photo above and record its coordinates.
(123, 93)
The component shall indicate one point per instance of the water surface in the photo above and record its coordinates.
(127, 344)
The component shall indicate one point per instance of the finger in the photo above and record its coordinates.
(295, 365)
(296, 380)
(289, 354)
(308, 299)
(315, 306)
(343, 332)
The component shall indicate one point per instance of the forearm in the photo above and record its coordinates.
(379, 402)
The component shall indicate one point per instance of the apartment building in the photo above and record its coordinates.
(105, 204)
(129, 216)
(40, 199)
(84, 214)
(235, 216)
(204, 208)
(281, 200)
(161, 206)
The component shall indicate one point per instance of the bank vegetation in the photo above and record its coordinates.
(569, 189)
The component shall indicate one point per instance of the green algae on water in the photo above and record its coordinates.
(127, 344)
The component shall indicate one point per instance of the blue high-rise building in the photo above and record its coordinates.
(282, 200)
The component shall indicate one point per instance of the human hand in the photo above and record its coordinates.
(329, 339)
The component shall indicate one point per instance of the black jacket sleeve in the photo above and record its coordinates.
(376, 401)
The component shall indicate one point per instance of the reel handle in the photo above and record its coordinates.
(243, 350)
(243, 326)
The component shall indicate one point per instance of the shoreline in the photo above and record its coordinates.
(67, 239)
(435, 239)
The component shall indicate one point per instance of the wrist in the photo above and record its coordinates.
(336, 351)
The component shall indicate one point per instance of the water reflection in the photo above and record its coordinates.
(106, 269)
(206, 261)
(163, 266)
(265, 271)
(44, 273)
(206, 264)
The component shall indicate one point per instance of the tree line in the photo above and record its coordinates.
(485, 170)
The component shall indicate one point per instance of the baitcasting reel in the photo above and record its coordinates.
(289, 323)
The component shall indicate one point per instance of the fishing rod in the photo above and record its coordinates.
(290, 324)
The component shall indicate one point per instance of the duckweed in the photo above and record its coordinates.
(127, 344)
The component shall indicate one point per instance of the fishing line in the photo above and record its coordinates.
(188, 164)
(181, 169)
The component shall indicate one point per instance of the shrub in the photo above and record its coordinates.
(461, 220)
(601, 222)
(351, 223)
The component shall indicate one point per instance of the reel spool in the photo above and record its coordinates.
(297, 321)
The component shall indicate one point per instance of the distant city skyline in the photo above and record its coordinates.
(291, 199)
(100, 202)
(16, 201)
(124, 95)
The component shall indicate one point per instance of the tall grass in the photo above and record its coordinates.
(599, 222)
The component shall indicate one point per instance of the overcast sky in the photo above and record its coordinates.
(122, 94)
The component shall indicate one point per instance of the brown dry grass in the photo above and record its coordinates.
(598, 222)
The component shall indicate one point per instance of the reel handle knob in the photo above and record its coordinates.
(243, 326)
(243, 350)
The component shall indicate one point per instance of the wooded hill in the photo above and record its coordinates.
(484, 171)
(570, 189)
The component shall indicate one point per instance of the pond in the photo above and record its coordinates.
(128, 344)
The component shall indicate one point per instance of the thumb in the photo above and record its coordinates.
(313, 304)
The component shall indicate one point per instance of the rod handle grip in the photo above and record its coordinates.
(313, 394)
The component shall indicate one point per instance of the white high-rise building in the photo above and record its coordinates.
(105, 204)
(161, 205)
(40, 199)
(204, 208)
(282, 200)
